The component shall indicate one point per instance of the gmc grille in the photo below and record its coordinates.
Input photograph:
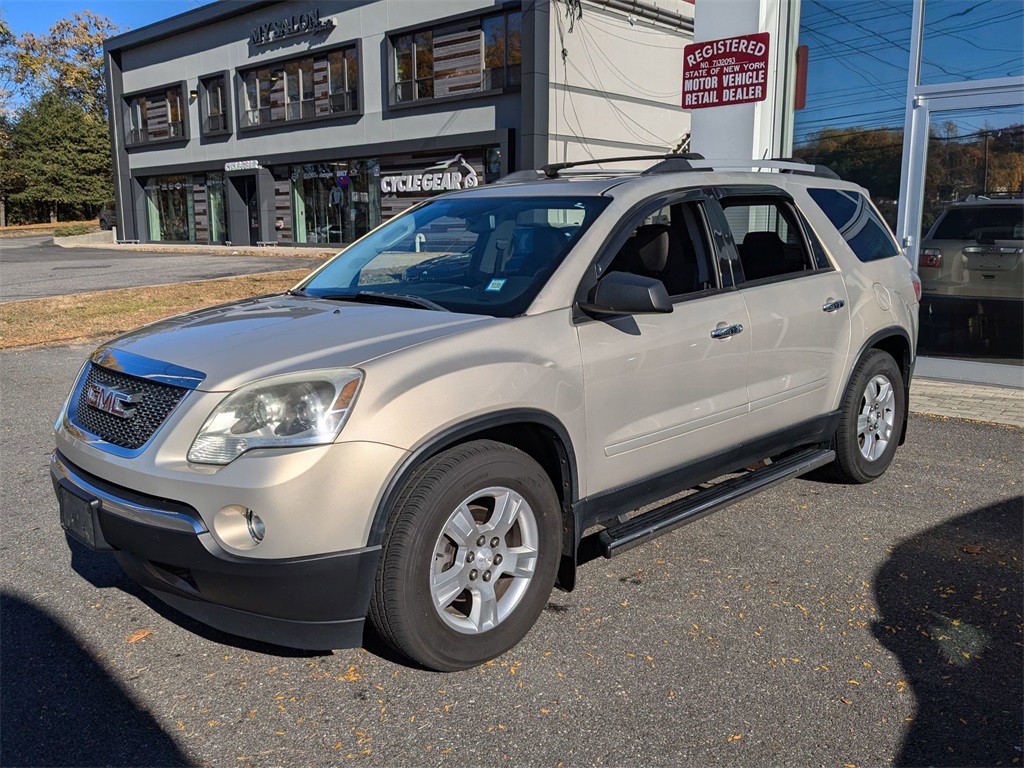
(158, 400)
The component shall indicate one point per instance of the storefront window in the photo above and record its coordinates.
(186, 208)
(170, 209)
(331, 202)
(302, 89)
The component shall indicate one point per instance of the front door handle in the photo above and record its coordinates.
(726, 331)
(833, 305)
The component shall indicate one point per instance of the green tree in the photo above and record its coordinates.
(62, 156)
(68, 61)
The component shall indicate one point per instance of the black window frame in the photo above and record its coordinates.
(279, 66)
(129, 102)
(470, 19)
(226, 105)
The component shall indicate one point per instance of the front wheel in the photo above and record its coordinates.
(873, 410)
(469, 557)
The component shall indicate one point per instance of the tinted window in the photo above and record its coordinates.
(997, 222)
(857, 221)
(479, 256)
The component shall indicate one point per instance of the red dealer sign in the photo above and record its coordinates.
(730, 71)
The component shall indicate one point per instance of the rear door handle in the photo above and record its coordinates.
(833, 305)
(726, 331)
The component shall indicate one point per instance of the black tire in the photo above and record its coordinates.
(491, 610)
(865, 450)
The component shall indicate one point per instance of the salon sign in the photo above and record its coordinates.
(455, 173)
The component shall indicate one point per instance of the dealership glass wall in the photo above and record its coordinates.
(970, 152)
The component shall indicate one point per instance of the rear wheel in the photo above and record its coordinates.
(469, 557)
(871, 419)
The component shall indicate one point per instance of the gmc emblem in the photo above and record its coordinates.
(112, 401)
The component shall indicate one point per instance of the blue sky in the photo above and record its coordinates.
(39, 15)
(859, 50)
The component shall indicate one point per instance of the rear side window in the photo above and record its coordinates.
(857, 221)
(996, 222)
(767, 236)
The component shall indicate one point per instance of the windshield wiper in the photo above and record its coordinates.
(378, 297)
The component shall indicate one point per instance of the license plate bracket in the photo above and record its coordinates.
(78, 516)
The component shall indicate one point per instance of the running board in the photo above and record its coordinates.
(619, 538)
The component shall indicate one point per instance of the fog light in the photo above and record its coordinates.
(238, 527)
(256, 527)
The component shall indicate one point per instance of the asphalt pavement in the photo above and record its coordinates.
(33, 267)
(812, 625)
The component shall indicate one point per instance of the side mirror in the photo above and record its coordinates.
(623, 293)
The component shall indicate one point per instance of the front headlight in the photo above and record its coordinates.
(307, 408)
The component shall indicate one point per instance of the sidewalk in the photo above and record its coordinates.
(975, 402)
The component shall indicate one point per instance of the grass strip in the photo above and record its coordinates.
(82, 317)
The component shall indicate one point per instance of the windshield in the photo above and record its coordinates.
(486, 256)
(996, 222)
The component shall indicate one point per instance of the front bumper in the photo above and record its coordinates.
(313, 602)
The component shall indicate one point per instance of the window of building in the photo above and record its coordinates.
(186, 208)
(458, 59)
(333, 202)
(213, 105)
(155, 116)
(306, 88)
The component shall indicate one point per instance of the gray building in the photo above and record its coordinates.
(257, 122)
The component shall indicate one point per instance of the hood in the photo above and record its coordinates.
(236, 343)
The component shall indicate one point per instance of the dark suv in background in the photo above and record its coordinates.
(108, 215)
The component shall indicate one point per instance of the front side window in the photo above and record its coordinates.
(154, 116)
(302, 89)
(478, 256)
(767, 235)
(857, 221)
(670, 245)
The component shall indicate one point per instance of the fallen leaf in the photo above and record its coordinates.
(973, 549)
(134, 637)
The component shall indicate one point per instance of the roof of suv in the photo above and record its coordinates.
(684, 170)
(987, 201)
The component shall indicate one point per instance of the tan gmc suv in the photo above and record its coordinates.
(425, 430)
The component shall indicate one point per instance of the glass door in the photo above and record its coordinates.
(971, 238)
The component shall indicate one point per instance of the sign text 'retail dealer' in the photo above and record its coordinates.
(730, 71)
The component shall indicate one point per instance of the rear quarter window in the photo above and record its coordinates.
(852, 214)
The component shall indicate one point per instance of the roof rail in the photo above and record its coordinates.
(552, 170)
(672, 163)
(812, 170)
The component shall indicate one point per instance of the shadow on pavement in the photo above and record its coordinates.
(950, 605)
(60, 707)
(102, 571)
